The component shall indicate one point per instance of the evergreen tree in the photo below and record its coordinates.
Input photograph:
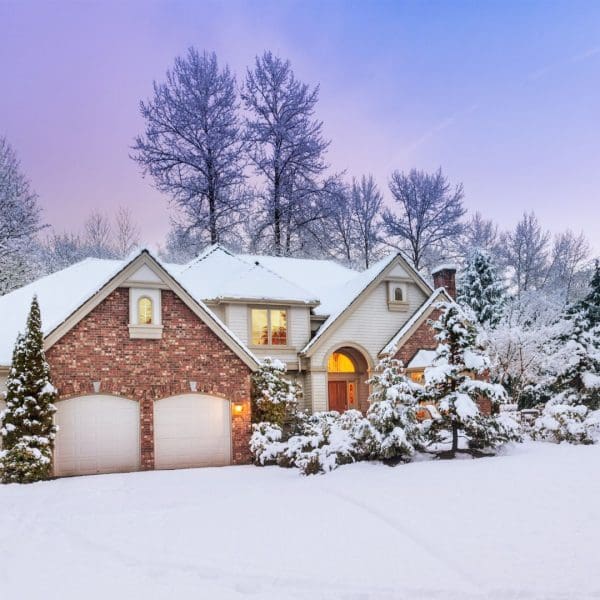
(274, 397)
(452, 388)
(393, 410)
(481, 289)
(591, 303)
(28, 431)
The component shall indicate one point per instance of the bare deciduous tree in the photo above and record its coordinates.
(569, 256)
(97, 237)
(127, 232)
(428, 216)
(286, 147)
(366, 209)
(191, 146)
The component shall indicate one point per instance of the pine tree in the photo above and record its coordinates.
(451, 384)
(393, 410)
(481, 289)
(274, 397)
(591, 303)
(28, 431)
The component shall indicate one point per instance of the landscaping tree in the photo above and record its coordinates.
(451, 385)
(28, 430)
(590, 305)
(393, 410)
(274, 397)
(481, 290)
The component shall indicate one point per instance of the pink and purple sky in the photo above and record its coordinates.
(504, 96)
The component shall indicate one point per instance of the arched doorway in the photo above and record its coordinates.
(347, 372)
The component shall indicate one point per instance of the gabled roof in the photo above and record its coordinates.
(218, 275)
(337, 303)
(67, 296)
(439, 295)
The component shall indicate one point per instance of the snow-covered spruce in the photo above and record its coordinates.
(27, 429)
(481, 290)
(275, 397)
(393, 411)
(452, 389)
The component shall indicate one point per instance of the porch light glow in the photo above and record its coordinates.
(238, 408)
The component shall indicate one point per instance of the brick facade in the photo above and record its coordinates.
(98, 348)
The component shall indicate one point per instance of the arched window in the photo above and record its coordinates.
(340, 363)
(144, 311)
(398, 294)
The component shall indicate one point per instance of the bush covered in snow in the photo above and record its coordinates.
(28, 430)
(393, 411)
(575, 424)
(325, 441)
(275, 398)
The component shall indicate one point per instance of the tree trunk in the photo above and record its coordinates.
(454, 440)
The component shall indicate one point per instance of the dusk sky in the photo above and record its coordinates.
(504, 96)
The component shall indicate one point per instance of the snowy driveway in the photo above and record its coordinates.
(525, 525)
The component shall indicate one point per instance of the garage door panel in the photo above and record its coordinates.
(192, 430)
(97, 434)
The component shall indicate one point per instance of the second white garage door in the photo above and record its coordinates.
(97, 434)
(192, 430)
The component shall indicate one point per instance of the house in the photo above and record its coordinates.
(153, 361)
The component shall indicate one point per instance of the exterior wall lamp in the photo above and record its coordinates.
(238, 408)
(96, 386)
(193, 386)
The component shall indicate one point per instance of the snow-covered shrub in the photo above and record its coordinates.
(274, 397)
(326, 440)
(28, 431)
(452, 388)
(265, 443)
(575, 424)
(393, 411)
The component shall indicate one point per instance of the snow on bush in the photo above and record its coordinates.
(28, 430)
(575, 424)
(393, 411)
(274, 397)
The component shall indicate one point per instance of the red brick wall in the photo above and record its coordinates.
(422, 339)
(98, 348)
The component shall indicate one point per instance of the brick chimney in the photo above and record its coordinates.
(444, 276)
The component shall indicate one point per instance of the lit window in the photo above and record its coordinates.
(144, 311)
(269, 326)
(418, 376)
(398, 295)
(340, 363)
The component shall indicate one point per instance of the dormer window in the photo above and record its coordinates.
(145, 318)
(144, 311)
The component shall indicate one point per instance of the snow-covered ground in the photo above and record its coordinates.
(524, 525)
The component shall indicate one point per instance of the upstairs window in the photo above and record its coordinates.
(145, 311)
(398, 294)
(269, 326)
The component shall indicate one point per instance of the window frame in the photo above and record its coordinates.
(270, 344)
(139, 313)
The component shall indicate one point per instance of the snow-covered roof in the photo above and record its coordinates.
(59, 294)
(219, 274)
(422, 359)
(437, 296)
(335, 301)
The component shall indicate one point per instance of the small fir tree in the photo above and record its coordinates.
(28, 431)
(275, 398)
(451, 384)
(590, 305)
(393, 411)
(481, 289)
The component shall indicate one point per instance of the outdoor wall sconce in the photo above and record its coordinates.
(238, 408)
(193, 386)
(96, 386)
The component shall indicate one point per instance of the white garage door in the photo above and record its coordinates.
(97, 434)
(192, 430)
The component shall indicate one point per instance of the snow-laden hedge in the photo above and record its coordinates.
(575, 424)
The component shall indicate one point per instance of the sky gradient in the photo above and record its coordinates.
(504, 96)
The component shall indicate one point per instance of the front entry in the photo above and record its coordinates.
(338, 396)
(346, 380)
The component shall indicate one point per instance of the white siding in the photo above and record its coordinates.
(219, 310)
(236, 318)
(318, 386)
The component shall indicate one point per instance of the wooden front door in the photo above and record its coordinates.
(338, 397)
